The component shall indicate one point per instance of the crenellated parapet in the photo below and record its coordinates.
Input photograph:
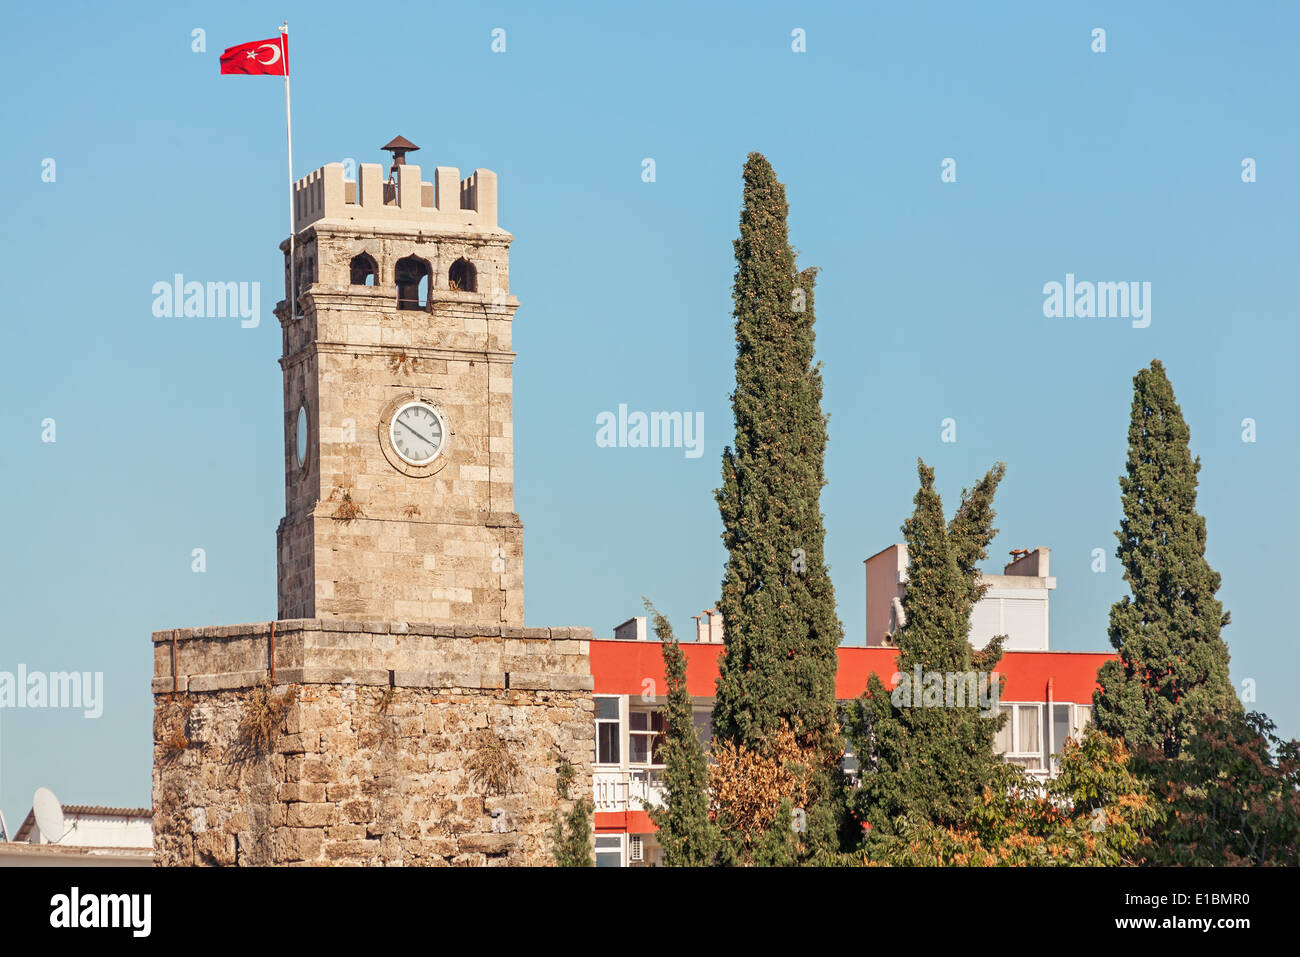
(448, 202)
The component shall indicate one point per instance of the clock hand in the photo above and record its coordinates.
(418, 435)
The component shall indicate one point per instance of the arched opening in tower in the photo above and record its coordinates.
(365, 271)
(462, 276)
(413, 279)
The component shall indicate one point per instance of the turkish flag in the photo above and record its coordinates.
(259, 58)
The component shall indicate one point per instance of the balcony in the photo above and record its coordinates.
(639, 789)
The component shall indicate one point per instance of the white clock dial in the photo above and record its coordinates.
(300, 446)
(417, 433)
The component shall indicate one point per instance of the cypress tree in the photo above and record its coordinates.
(924, 761)
(777, 600)
(686, 834)
(571, 832)
(1172, 669)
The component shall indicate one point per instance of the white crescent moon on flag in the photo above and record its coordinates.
(275, 54)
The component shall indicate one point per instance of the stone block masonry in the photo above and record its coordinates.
(372, 756)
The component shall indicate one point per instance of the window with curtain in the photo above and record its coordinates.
(1004, 741)
(1030, 741)
(1023, 737)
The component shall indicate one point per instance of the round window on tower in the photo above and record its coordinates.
(300, 447)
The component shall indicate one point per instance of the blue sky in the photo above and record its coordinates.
(1115, 166)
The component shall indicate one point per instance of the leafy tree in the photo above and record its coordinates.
(1096, 812)
(571, 832)
(1108, 809)
(686, 832)
(932, 765)
(1172, 668)
(572, 836)
(1233, 795)
(757, 798)
(777, 600)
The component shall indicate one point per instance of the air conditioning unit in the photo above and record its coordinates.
(635, 851)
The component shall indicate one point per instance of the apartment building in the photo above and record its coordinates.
(1047, 695)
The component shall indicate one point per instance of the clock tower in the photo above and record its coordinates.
(398, 462)
(352, 729)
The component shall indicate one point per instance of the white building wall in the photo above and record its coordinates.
(99, 831)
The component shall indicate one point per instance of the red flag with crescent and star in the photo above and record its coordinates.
(259, 58)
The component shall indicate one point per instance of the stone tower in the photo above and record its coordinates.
(397, 711)
(399, 472)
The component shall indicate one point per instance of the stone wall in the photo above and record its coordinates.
(372, 757)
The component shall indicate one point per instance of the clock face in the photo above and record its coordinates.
(301, 445)
(417, 433)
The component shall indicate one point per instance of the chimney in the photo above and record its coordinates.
(708, 627)
(1032, 563)
(634, 629)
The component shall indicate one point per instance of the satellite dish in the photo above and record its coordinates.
(49, 815)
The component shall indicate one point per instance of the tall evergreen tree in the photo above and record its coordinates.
(1172, 669)
(777, 601)
(922, 759)
(686, 834)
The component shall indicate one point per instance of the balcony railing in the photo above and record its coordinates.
(636, 790)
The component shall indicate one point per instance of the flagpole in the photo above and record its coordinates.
(288, 123)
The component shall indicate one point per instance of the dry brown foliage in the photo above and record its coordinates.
(746, 788)
(172, 720)
(492, 768)
(348, 510)
(263, 712)
(403, 363)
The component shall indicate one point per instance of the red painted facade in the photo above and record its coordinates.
(622, 667)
